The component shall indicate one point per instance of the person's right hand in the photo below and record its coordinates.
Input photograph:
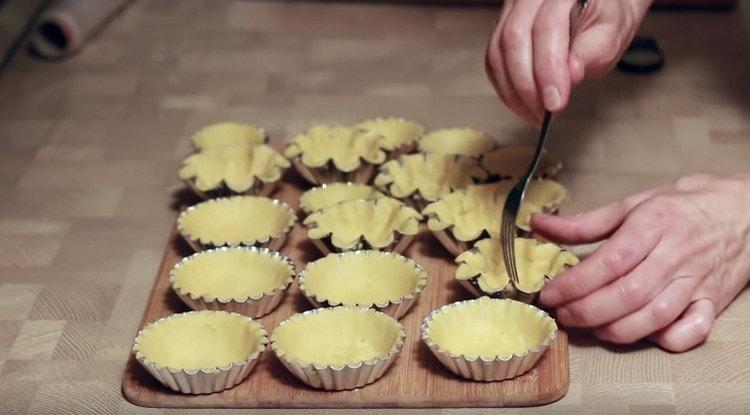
(532, 60)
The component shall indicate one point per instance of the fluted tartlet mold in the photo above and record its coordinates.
(422, 178)
(488, 339)
(338, 348)
(330, 194)
(223, 350)
(459, 141)
(385, 281)
(248, 280)
(482, 271)
(398, 136)
(463, 217)
(228, 134)
(384, 224)
(328, 154)
(234, 170)
(237, 221)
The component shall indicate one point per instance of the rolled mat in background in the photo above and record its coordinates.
(67, 25)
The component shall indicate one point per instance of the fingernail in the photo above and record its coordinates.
(550, 297)
(552, 99)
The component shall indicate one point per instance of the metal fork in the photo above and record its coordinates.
(515, 197)
(513, 203)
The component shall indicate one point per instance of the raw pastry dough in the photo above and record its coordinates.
(393, 132)
(345, 147)
(216, 340)
(362, 278)
(478, 209)
(462, 141)
(330, 194)
(232, 274)
(536, 262)
(376, 222)
(337, 336)
(238, 166)
(428, 175)
(238, 220)
(490, 329)
(228, 134)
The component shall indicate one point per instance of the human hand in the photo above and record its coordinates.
(675, 257)
(533, 61)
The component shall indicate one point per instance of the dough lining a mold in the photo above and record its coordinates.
(489, 328)
(431, 175)
(232, 274)
(374, 220)
(394, 132)
(345, 147)
(215, 339)
(478, 208)
(330, 194)
(225, 134)
(362, 278)
(236, 220)
(337, 336)
(536, 262)
(462, 141)
(238, 166)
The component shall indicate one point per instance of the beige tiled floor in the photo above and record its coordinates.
(89, 149)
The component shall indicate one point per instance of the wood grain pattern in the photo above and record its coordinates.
(417, 379)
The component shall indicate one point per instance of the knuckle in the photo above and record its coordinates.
(512, 35)
(662, 313)
(613, 260)
(633, 291)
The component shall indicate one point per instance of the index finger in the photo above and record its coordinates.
(629, 245)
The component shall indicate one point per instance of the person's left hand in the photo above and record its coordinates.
(675, 257)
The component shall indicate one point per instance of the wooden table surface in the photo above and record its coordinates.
(89, 149)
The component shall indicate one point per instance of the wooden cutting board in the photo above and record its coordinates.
(415, 380)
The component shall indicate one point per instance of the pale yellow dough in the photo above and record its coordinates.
(490, 328)
(234, 273)
(431, 175)
(374, 220)
(513, 161)
(535, 261)
(393, 132)
(236, 220)
(200, 340)
(362, 278)
(238, 166)
(330, 194)
(478, 209)
(225, 134)
(337, 336)
(345, 147)
(462, 141)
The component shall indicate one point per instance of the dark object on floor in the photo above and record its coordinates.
(67, 24)
(642, 56)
